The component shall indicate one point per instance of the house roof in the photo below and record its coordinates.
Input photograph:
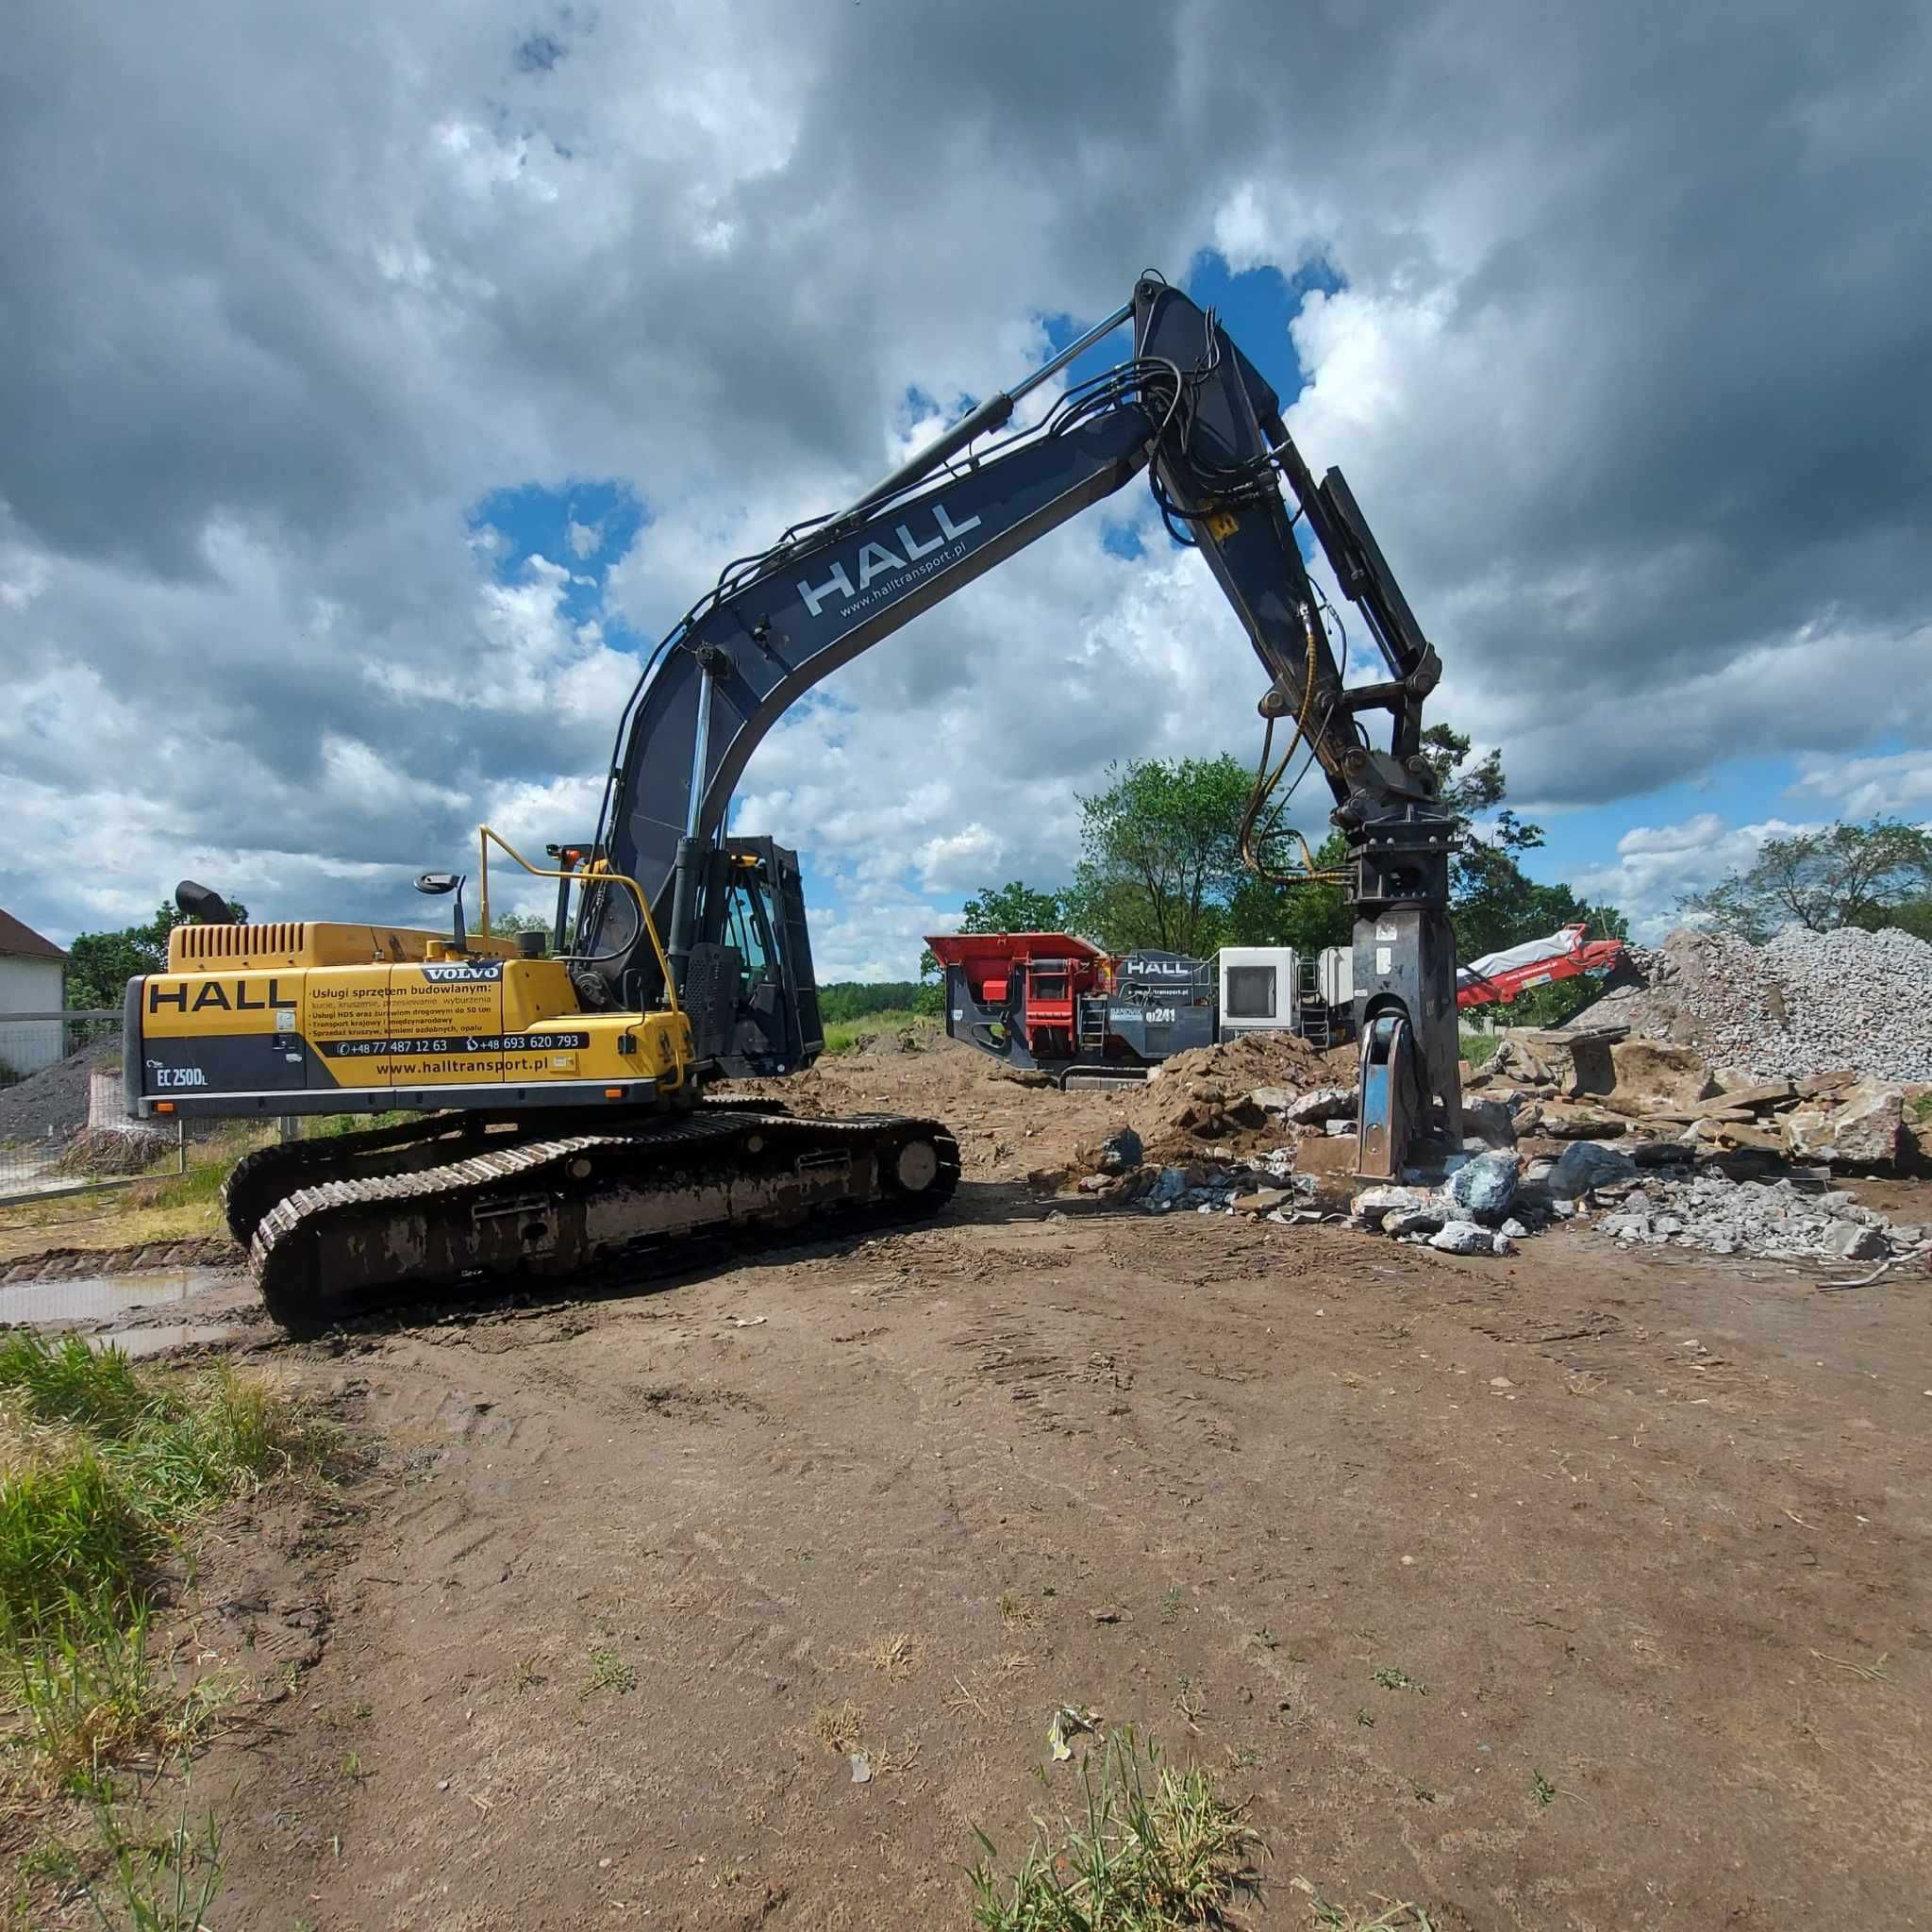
(18, 941)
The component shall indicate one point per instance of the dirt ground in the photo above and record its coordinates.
(1578, 1589)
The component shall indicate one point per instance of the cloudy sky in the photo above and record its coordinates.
(379, 381)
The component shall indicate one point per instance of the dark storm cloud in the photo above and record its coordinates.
(1629, 361)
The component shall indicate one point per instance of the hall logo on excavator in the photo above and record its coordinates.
(875, 560)
(211, 993)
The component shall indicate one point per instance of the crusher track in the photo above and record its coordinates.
(340, 1226)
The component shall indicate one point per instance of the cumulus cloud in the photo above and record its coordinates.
(1619, 333)
(1655, 865)
(1898, 785)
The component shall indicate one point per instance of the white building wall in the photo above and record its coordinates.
(30, 986)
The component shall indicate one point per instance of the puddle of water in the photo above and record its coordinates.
(172, 1335)
(85, 1296)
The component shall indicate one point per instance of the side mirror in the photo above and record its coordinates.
(436, 884)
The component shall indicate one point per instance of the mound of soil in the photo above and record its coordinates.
(1011, 1130)
(1206, 1096)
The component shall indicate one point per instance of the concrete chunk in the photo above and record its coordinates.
(1463, 1238)
(1860, 1127)
(1584, 1165)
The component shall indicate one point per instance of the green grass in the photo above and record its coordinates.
(842, 1036)
(166, 1885)
(609, 1671)
(1154, 1848)
(1921, 1108)
(328, 1125)
(1479, 1048)
(1397, 1918)
(103, 1467)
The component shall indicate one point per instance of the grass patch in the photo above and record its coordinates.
(1921, 1108)
(1398, 1918)
(1154, 1848)
(894, 1656)
(843, 1036)
(1479, 1048)
(172, 1207)
(101, 1468)
(609, 1671)
(839, 1726)
(330, 1126)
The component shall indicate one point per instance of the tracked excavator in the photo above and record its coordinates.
(561, 1090)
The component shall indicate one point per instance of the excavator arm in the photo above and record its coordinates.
(1190, 406)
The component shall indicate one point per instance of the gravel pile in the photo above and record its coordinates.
(1805, 1002)
(1779, 1219)
(52, 1103)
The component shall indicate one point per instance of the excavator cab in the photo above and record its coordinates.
(748, 985)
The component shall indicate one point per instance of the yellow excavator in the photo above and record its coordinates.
(558, 1080)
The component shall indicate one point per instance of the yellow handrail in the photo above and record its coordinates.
(486, 836)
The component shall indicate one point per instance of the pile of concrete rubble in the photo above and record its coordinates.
(1862, 1000)
(1640, 1137)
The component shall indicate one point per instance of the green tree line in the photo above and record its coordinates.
(1160, 866)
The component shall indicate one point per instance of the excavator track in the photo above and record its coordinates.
(384, 1216)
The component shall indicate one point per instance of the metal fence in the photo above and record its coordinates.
(63, 1119)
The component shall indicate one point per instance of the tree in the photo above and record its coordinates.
(1307, 917)
(1162, 854)
(1494, 903)
(845, 1000)
(100, 964)
(1015, 906)
(1869, 875)
(506, 926)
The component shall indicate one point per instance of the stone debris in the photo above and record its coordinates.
(1321, 1104)
(1861, 1125)
(1785, 1220)
(1587, 1164)
(1852, 999)
(1468, 1238)
(1265, 1188)
(1485, 1185)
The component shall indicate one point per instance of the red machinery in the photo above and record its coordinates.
(1052, 1001)
(1500, 976)
(1053, 971)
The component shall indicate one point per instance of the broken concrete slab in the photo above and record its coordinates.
(1414, 1220)
(1260, 1201)
(1463, 1238)
(1765, 1094)
(1489, 1121)
(1321, 1104)
(1860, 1127)
(1327, 1154)
(1579, 1123)
(1854, 1243)
(1373, 1203)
